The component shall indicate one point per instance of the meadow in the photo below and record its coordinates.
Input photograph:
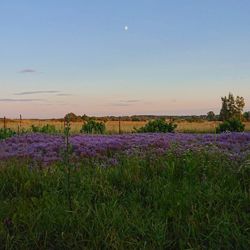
(126, 126)
(130, 191)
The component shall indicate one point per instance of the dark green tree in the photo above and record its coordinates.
(71, 116)
(211, 116)
(231, 107)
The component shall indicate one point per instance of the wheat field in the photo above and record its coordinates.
(113, 126)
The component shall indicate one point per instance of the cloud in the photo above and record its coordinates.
(123, 103)
(130, 101)
(118, 104)
(64, 94)
(20, 100)
(38, 92)
(25, 71)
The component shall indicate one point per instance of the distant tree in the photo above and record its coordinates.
(85, 117)
(211, 116)
(71, 116)
(231, 107)
(135, 119)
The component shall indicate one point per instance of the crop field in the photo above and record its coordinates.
(134, 191)
(126, 126)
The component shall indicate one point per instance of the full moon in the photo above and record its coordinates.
(126, 28)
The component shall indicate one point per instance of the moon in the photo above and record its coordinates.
(126, 28)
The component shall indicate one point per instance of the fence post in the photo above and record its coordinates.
(20, 121)
(119, 125)
(4, 123)
(19, 126)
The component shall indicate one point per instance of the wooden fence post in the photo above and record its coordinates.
(119, 125)
(20, 121)
(4, 123)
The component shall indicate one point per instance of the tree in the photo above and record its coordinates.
(71, 116)
(231, 107)
(211, 116)
(85, 117)
(239, 106)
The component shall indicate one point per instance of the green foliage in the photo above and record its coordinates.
(47, 129)
(198, 201)
(232, 125)
(231, 107)
(6, 133)
(84, 117)
(211, 116)
(93, 127)
(75, 118)
(135, 119)
(157, 126)
(246, 116)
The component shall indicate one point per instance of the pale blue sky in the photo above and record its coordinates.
(177, 57)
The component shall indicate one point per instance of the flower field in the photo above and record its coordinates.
(134, 191)
(46, 149)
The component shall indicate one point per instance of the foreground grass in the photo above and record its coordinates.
(198, 201)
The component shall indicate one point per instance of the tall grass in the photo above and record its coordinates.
(198, 201)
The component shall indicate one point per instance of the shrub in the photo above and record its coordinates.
(6, 133)
(158, 125)
(246, 116)
(232, 125)
(47, 129)
(93, 127)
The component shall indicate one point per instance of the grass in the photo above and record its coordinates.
(198, 201)
(126, 126)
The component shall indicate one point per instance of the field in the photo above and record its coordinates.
(126, 126)
(133, 191)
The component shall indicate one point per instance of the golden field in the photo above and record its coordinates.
(113, 126)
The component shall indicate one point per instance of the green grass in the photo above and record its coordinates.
(198, 201)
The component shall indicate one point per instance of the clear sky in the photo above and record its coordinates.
(118, 57)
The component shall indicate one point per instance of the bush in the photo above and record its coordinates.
(47, 129)
(232, 125)
(246, 116)
(93, 127)
(157, 126)
(6, 133)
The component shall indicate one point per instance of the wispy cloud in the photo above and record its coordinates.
(130, 101)
(123, 103)
(19, 100)
(62, 94)
(38, 92)
(27, 71)
(118, 104)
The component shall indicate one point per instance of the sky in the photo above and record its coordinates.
(119, 57)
